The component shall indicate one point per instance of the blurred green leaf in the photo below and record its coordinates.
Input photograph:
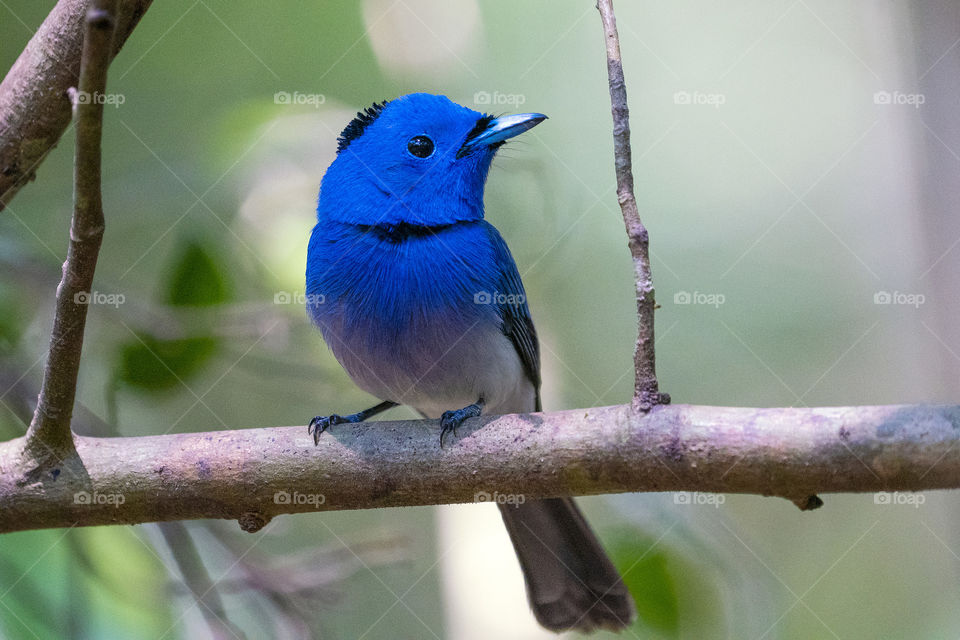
(647, 573)
(197, 279)
(676, 596)
(153, 364)
(35, 605)
(127, 595)
(11, 318)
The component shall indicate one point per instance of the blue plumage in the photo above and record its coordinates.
(411, 318)
(416, 294)
(420, 300)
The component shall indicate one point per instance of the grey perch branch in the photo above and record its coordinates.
(252, 475)
(646, 392)
(49, 432)
(34, 107)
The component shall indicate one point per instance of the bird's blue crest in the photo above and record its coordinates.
(378, 178)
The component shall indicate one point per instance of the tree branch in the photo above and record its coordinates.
(198, 581)
(49, 431)
(34, 108)
(255, 474)
(646, 393)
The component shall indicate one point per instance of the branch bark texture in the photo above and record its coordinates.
(646, 390)
(255, 474)
(49, 431)
(34, 106)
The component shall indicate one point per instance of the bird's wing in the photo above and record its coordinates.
(517, 324)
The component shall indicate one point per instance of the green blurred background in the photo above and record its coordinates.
(795, 162)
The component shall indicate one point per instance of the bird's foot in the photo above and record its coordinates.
(450, 420)
(321, 423)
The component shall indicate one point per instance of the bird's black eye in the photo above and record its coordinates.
(420, 146)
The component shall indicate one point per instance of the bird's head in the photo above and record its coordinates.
(419, 159)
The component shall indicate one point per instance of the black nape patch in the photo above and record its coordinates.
(355, 129)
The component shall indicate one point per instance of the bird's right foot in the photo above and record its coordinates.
(321, 423)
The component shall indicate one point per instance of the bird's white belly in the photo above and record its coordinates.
(438, 370)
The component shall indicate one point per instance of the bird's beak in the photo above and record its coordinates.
(498, 130)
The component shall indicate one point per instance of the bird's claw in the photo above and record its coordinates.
(320, 424)
(449, 421)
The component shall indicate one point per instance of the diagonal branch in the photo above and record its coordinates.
(198, 581)
(49, 431)
(646, 392)
(252, 475)
(34, 107)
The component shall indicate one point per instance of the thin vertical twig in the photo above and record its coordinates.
(198, 581)
(49, 431)
(646, 391)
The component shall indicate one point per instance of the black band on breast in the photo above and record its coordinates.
(403, 231)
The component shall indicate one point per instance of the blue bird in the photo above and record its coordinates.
(420, 300)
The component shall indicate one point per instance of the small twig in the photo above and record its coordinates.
(646, 392)
(49, 431)
(198, 581)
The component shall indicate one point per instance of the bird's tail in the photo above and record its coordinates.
(570, 580)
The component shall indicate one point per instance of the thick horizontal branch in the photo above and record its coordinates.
(252, 475)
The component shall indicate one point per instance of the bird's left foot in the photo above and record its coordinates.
(450, 420)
